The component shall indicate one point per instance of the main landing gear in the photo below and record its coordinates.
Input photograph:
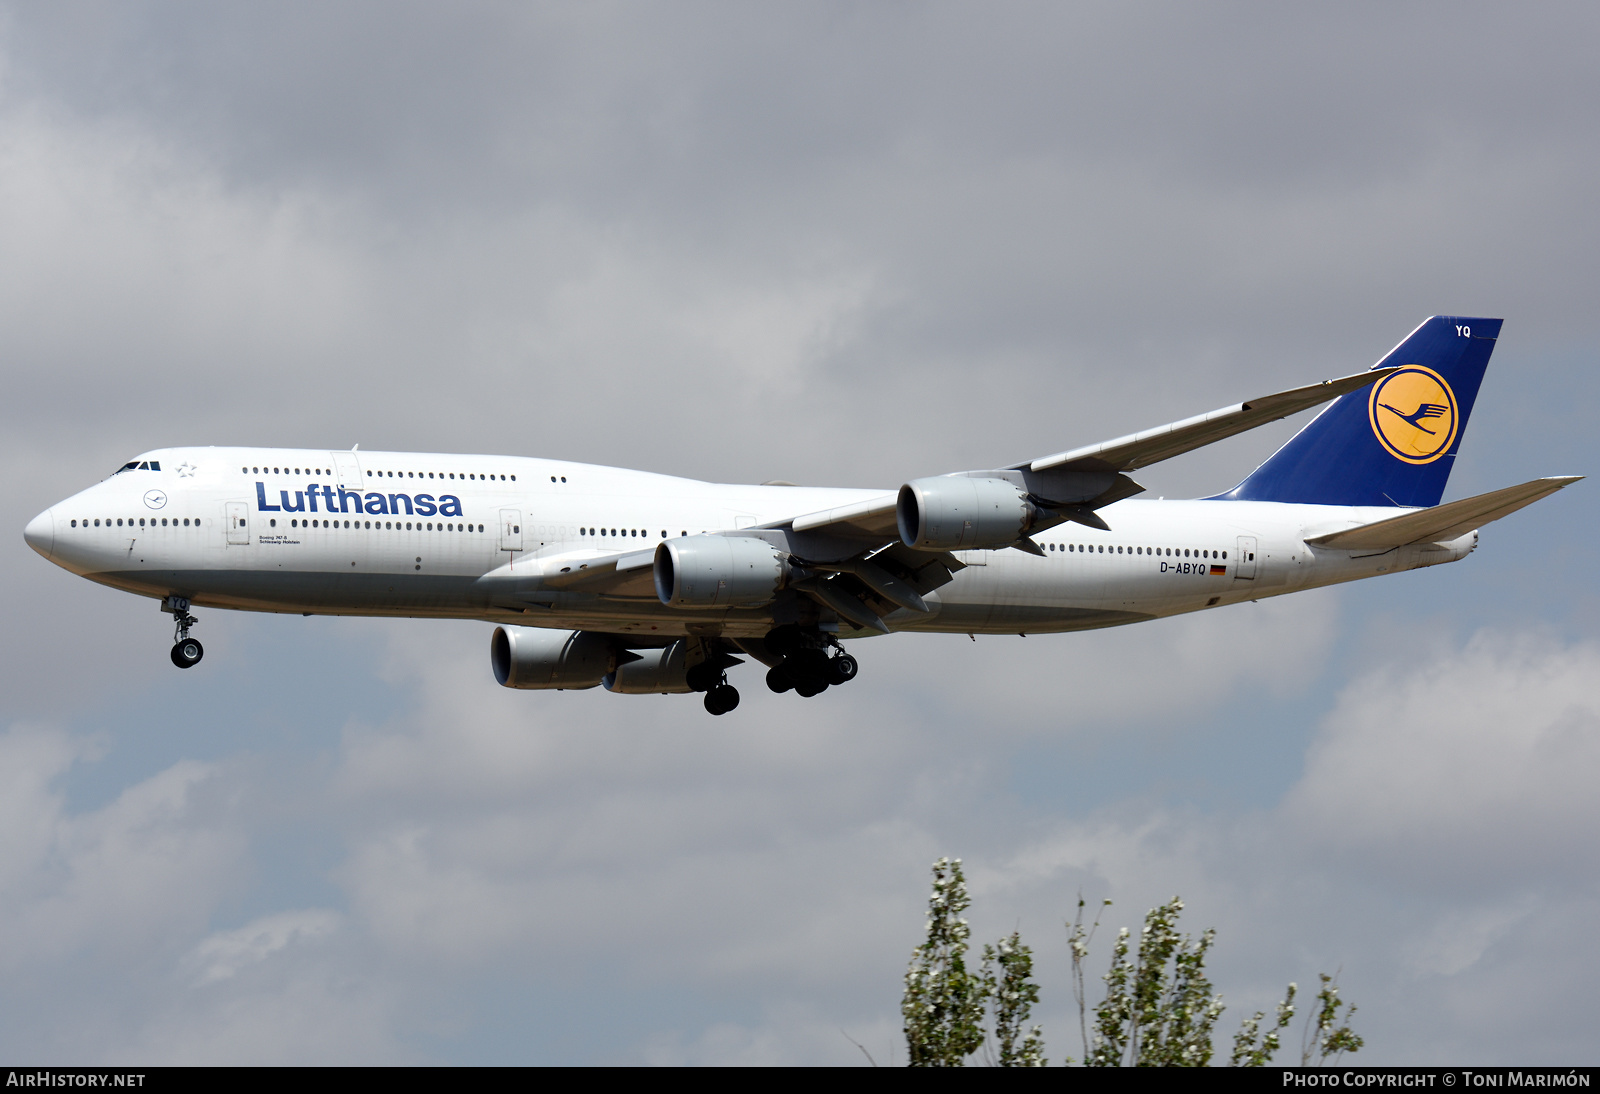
(808, 663)
(721, 699)
(806, 668)
(186, 651)
(711, 677)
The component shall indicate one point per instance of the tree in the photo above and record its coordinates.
(1014, 994)
(1251, 1048)
(1324, 1038)
(943, 1005)
(1159, 1009)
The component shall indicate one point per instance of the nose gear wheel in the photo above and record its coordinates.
(186, 651)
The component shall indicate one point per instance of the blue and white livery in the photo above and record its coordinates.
(650, 584)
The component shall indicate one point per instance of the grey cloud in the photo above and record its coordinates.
(1473, 769)
(834, 244)
(1439, 839)
(629, 845)
(965, 235)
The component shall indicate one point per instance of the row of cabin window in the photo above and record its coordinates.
(1176, 552)
(370, 474)
(419, 474)
(635, 532)
(392, 525)
(300, 524)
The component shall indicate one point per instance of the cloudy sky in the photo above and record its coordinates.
(839, 244)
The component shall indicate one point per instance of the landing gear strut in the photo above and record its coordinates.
(186, 651)
(806, 667)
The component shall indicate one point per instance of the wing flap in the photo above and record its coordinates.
(1153, 445)
(623, 574)
(873, 518)
(1443, 522)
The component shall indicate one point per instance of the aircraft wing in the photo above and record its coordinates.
(1162, 443)
(1085, 479)
(872, 574)
(1443, 522)
(862, 571)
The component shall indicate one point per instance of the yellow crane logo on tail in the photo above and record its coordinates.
(1413, 414)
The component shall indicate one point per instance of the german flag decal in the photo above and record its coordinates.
(1219, 571)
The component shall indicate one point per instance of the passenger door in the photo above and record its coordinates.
(238, 523)
(348, 469)
(511, 529)
(1244, 566)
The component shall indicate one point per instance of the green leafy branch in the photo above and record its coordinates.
(1159, 1009)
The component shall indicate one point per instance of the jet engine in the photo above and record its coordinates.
(718, 572)
(532, 657)
(654, 672)
(956, 513)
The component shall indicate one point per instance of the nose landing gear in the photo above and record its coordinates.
(186, 651)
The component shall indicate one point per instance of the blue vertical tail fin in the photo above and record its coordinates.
(1394, 442)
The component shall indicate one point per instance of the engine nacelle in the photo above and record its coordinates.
(957, 513)
(656, 672)
(533, 657)
(718, 571)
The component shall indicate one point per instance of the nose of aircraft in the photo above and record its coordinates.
(41, 532)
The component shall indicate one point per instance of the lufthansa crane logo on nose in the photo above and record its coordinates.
(1413, 413)
(155, 499)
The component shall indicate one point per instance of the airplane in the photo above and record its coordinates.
(646, 583)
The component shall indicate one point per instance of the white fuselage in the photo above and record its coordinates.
(455, 536)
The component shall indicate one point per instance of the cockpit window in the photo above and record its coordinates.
(138, 465)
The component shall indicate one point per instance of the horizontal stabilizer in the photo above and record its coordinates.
(1443, 522)
(1164, 442)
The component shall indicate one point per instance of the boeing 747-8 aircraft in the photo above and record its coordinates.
(652, 584)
